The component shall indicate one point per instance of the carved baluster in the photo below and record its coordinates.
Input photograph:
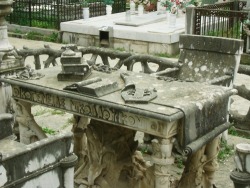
(201, 166)
(193, 173)
(30, 131)
(212, 165)
(80, 140)
(162, 159)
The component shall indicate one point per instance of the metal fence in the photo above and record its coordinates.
(49, 14)
(222, 19)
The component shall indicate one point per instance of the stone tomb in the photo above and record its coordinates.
(108, 157)
(149, 33)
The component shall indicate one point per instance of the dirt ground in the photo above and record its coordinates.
(58, 121)
(222, 176)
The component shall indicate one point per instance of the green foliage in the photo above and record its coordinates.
(38, 36)
(225, 151)
(17, 31)
(108, 2)
(234, 132)
(41, 19)
(41, 112)
(33, 35)
(57, 112)
(42, 24)
(48, 131)
(167, 55)
(173, 5)
(231, 32)
(52, 37)
(85, 3)
(71, 120)
(179, 162)
(144, 149)
(120, 49)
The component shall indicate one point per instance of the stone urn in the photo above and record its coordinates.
(241, 175)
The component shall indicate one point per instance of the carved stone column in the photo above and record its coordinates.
(29, 130)
(80, 140)
(5, 98)
(5, 7)
(200, 167)
(162, 159)
(9, 60)
(211, 152)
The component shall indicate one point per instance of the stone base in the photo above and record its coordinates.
(5, 46)
(143, 47)
(71, 76)
(148, 33)
(240, 179)
(11, 65)
(167, 161)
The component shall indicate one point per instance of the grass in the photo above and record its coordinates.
(225, 152)
(48, 131)
(233, 32)
(38, 36)
(71, 120)
(120, 49)
(179, 162)
(232, 131)
(144, 150)
(18, 31)
(57, 112)
(42, 24)
(167, 55)
(41, 111)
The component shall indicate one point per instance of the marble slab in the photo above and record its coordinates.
(136, 20)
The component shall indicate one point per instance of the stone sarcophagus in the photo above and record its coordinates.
(189, 113)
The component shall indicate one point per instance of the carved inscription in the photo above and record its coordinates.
(100, 112)
(39, 97)
(105, 113)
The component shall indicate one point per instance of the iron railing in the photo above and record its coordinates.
(49, 14)
(222, 19)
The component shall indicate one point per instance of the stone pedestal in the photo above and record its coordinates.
(162, 159)
(9, 60)
(241, 175)
(5, 46)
